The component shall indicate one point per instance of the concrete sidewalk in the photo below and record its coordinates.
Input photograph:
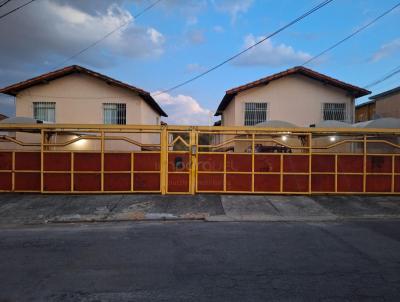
(22, 209)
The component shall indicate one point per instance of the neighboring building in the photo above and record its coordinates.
(298, 95)
(76, 95)
(385, 104)
(2, 117)
(365, 112)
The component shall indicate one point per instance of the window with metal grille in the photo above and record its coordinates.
(114, 113)
(255, 113)
(44, 111)
(334, 112)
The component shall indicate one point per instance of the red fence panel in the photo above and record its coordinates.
(57, 182)
(5, 160)
(295, 163)
(28, 161)
(267, 163)
(146, 161)
(117, 182)
(267, 183)
(210, 162)
(117, 162)
(178, 183)
(350, 183)
(350, 163)
(146, 182)
(54, 161)
(210, 182)
(323, 163)
(323, 183)
(27, 181)
(379, 164)
(295, 183)
(5, 181)
(238, 162)
(87, 161)
(238, 182)
(87, 182)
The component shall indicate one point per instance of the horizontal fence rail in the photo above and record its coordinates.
(55, 158)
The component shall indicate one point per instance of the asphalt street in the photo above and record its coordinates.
(202, 261)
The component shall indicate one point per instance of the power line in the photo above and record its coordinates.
(391, 73)
(108, 34)
(319, 6)
(15, 9)
(351, 35)
(4, 3)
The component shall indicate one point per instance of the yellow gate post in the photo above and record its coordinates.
(193, 151)
(164, 159)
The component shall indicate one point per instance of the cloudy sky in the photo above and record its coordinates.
(177, 39)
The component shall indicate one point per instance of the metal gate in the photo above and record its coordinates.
(187, 160)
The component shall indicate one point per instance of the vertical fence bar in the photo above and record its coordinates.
(196, 177)
(365, 163)
(13, 172)
(102, 161)
(72, 170)
(193, 145)
(224, 172)
(309, 162)
(393, 171)
(336, 173)
(42, 141)
(281, 174)
(164, 160)
(132, 170)
(252, 161)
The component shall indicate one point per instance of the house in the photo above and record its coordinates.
(77, 95)
(385, 104)
(298, 95)
(2, 117)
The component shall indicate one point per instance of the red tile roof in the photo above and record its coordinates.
(16, 88)
(230, 94)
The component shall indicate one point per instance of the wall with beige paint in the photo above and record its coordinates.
(295, 99)
(79, 99)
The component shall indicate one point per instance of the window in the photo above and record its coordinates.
(114, 113)
(255, 113)
(334, 112)
(44, 111)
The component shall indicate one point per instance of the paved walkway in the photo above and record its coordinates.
(20, 209)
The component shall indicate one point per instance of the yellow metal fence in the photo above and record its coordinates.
(55, 158)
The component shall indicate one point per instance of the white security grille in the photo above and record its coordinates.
(255, 113)
(334, 112)
(114, 113)
(44, 111)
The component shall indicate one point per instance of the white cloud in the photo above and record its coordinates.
(269, 54)
(196, 36)
(218, 29)
(183, 109)
(233, 7)
(386, 50)
(195, 67)
(69, 26)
